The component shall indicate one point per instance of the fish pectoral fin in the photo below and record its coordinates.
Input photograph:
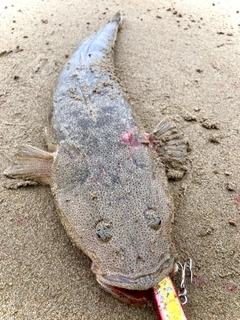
(31, 163)
(172, 148)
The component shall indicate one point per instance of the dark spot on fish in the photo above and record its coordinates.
(81, 175)
(152, 218)
(104, 231)
(140, 165)
(115, 179)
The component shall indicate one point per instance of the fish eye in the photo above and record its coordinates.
(152, 218)
(104, 231)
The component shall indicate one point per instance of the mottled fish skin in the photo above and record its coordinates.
(107, 183)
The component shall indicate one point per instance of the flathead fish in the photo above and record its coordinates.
(107, 176)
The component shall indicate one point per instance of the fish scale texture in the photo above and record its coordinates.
(100, 178)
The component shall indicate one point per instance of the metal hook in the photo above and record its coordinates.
(189, 265)
(182, 293)
(183, 296)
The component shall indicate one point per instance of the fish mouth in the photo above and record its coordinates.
(133, 297)
(143, 282)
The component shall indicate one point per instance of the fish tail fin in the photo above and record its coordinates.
(31, 163)
(117, 18)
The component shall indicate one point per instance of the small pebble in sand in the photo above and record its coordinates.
(214, 138)
(231, 186)
(189, 117)
(197, 109)
(233, 222)
(208, 124)
(227, 173)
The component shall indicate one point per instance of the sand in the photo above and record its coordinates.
(177, 59)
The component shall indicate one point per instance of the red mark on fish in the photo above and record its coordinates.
(134, 137)
(130, 137)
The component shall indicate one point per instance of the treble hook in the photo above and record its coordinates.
(182, 293)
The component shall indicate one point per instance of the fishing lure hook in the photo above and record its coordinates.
(182, 293)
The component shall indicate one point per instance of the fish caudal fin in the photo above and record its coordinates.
(172, 149)
(31, 163)
(117, 17)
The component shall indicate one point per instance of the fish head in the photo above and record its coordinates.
(120, 214)
(135, 255)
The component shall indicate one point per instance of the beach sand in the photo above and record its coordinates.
(177, 59)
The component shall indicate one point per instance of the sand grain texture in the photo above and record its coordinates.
(178, 59)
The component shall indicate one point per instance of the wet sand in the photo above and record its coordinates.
(179, 60)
